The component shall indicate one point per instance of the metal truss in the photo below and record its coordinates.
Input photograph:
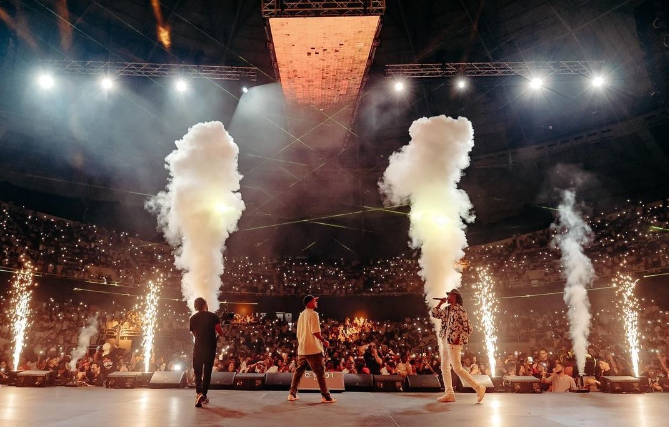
(491, 69)
(311, 8)
(141, 69)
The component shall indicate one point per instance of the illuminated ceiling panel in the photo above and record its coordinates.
(322, 60)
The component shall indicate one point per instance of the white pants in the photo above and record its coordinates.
(450, 355)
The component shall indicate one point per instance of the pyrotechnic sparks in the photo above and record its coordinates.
(487, 309)
(162, 28)
(629, 304)
(150, 318)
(20, 308)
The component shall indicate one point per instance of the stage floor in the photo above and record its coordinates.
(99, 407)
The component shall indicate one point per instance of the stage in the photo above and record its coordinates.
(100, 407)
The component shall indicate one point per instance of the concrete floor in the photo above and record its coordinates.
(99, 407)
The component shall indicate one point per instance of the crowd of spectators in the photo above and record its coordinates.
(635, 235)
(265, 345)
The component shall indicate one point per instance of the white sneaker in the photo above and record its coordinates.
(480, 393)
(448, 397)
(292, 398)
(330, 400)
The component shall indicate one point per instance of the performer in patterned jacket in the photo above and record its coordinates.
(454, 333)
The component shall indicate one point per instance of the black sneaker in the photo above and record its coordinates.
(198, 400)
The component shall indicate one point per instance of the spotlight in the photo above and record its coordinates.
(245, 89)
(46, 81)
(181, 85)
(107, 83)
(461, 83)
(399, 86)
(598, 81)
(536, 83)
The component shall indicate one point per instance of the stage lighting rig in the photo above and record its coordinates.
(181, 85)
(107, 83)
(46, 81)
(536, 83)
(598, 81)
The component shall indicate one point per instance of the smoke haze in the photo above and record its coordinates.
(425, 174)
(200, 207)
(573, 234)
(87, 332)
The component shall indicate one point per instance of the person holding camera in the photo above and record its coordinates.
(454, 334)
(205, 326)
(310, 351)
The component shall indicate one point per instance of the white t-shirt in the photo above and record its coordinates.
(308, 324)
(562, 383)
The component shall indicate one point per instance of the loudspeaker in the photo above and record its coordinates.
(11, 377)
(249, 381)
(498, 383)
(522, 384)
(620, 384)
(168, 379)
(222, 381)
(278, 381)
(333, 380)
(481, 379)
(144, 379)
(358, 382)
(34, 379)
(123, 380)
(388, 383)
(426, 383)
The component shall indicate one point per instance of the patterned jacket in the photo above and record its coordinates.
(454, 323)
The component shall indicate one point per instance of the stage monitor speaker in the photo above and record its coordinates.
(34, 379)
(144, 379)
(522, 384)
(481, 379)
(621, 384)
(249, 381)
(334, 381)
(388, 383)
(168, 379)
(424, 383)
(278, 381)
(222, 381)
(123, 380)
(359, 382)
(11, 377)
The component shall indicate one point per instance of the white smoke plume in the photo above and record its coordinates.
(87, 332)
(572, 236)
(425, 174)
(200, 207)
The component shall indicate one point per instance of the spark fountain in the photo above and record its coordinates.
(487, 310)
(21, 294)
(150, 319)
(629, 305)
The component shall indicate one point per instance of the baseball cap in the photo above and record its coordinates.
(308, 299)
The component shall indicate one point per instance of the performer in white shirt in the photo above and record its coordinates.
(310, 350)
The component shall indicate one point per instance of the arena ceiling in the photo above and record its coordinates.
(310, 171)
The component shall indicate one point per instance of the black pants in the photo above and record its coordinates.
(202, 366)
